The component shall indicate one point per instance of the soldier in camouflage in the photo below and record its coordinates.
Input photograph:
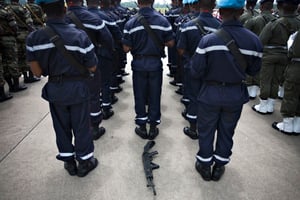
(256, 24)
(290, 107)
(37, 14)
(9, 50)
(3, 96)
(250, 11)
(274, 38)
(25, 26)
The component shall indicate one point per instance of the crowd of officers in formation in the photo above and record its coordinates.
(274, 25)
(189, 21)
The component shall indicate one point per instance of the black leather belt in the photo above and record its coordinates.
(61, 78)
(139, 56)
(222, 83)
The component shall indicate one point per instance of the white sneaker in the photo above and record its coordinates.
(296, 125)
(286, 126)
(262, 107)
(280, 92)
(270, 106)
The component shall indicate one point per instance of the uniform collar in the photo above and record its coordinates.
(76, 8)
(232, 23)
(145, 10)
(55, 21)
(205, 14)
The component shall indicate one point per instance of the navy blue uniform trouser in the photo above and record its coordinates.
(106, 68)
(69, 121)
(212, 118)
(191, 87)
(95, 104)
(147, 90)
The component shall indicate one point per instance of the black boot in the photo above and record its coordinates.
(107, 113)
(86, 166)
(8, 79)
(97, 132)
(191, 131)
(16, 85)
(71, 167)
(153, 132)
(142, 131)
(3, 96)
(30, 78)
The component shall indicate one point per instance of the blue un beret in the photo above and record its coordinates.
(230, 3)
(192, 1)
(46, 1)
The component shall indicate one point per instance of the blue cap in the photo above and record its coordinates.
(230, 3)
(185, 2)
(46, 1)
(193, 1)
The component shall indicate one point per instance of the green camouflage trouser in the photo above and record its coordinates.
(21, 43)
(271, 74)
(8, 45)
(290, 106)
(252, 80)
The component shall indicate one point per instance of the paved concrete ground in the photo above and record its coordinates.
(265, 164)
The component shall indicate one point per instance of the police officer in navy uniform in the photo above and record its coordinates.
(223, 93)
(104, 45)
(67, 90)
(191, 33)
(107, 61)
(147, 65)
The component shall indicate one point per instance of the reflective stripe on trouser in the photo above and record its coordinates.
(194, 86)
(95, 104)
(69, 120)
(106, 73)
(147, 91)
(290, 105)
(222, 119)
(271, 75)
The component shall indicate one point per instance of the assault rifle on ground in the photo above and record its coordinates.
(149, 165)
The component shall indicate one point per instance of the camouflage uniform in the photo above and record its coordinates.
(274, 38)
(290, 107)
(256, 24)
(9, 50)
(37, 14)
(25, 26)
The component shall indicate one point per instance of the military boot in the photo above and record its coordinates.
(286, 126)
(270, 106)
(16, 87)
(296, 126)
(29, 77)
(3, 96)
(262, 107)
(142, 131)
(107, 113)
(153, 132)
(191, 131)
(97, 132)
(85, 166)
